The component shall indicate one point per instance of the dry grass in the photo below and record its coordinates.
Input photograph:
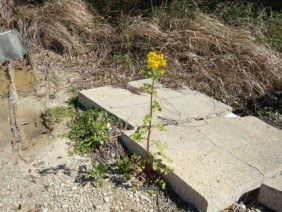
(61, 25)
(203, 53)
(213, 58)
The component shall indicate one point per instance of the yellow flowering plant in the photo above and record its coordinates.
(154, 70)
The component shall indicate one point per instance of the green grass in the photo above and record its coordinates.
(55, 115)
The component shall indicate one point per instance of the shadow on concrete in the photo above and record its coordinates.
(55, 170)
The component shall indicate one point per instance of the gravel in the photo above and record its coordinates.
(55, 181)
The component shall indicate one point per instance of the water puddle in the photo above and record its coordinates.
(28, 107)
(24, 79)
(33, 129)
(29, 112)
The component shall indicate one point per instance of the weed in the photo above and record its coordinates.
(152, 162)
(133, 167)
(73, 101)
(55, 115)
(98, 172)
(125, 59)
(17, 12)
(73, 90)
(130, 166)
(90, 130)
(128, 39)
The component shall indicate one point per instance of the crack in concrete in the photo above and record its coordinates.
(168, 121)
(231, 153)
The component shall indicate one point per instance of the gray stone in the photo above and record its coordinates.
(270, 193)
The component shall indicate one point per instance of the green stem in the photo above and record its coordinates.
(152, 6)
(150, 123)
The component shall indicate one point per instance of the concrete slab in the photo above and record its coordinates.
(177, 105)
(213, 165)
(253, 141)
(204, 174)
(5, 128)
(270, 193)
(215, 159)
(6, 151)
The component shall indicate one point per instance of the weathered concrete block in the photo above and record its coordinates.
(270, 193)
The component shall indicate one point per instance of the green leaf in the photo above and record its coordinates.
(156, 106)
(147, 119)
(159, 126)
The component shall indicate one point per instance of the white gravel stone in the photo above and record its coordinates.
(106, 199)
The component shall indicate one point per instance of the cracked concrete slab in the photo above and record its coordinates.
(177, 105)
(216, 159)
(248, 138)
(205, 175)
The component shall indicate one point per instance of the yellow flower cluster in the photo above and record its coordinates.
(155, 61)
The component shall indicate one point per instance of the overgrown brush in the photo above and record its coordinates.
(64, 26)
(213, 58)
(229, 62)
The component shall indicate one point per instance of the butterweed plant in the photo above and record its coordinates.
(154, 70)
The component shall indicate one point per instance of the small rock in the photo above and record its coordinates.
(106, 199)
(242, 208)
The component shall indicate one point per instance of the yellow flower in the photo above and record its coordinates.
(154, 61)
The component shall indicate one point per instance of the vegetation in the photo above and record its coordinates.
(90, 130)
(98, 172)
(133, 166)
(55, 115)
(154, 72)
(226, 49)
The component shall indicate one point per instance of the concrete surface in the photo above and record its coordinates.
(6, 151)
(270, 193)
(177, 106)
(5, 128)
(216, 159)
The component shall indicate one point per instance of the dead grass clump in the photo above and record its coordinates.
(210, 57)
(60, 25)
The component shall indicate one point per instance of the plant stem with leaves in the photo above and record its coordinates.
(153, 71)
(150, 122)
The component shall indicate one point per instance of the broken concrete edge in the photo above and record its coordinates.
(270, 193)
(186, 192)
(89, 104)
